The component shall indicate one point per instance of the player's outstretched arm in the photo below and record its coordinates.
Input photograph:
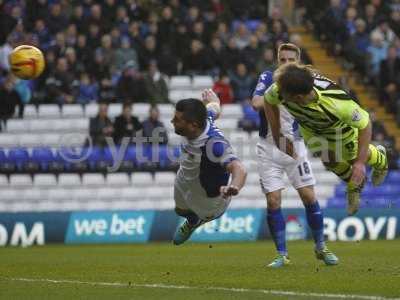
(358, 168)
(272, 115)
(239, 174)
(211, 101)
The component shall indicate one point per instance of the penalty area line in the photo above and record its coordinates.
(185, 287)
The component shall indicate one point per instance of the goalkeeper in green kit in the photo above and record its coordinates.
(332, 124)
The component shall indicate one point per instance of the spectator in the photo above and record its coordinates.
(305, 58)
(267, 62)
(124, 54)
(394, 22)
(107, 51)
(356, 48)
(9, 100)
(217, 54)
(43, 34)
(75, 66)
(152, 123)
(59, 84)
(87, 91)
(126, 125)
(252, 53)
(390, 79)
(384, 29)
(56, 20)
(155, 84)
(197, 61)
(242, 83)
(223, 89)
(241, 37)
(377, 52)
(130, 86)
(371, 17)
(101, 126)
(149, 52)
(232, 55)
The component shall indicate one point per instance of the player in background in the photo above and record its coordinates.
(273, 163)
(202, 189)
(332, 124)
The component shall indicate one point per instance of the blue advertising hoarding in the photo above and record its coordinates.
(109, 227)
(26, 229)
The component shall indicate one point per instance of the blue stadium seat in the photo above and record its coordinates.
(336, 202)
(393, 177)
(95, 156)
(19, 157)
(6, 167)
(43, 156)
(72, 159)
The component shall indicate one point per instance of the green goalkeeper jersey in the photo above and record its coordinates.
(334, 115)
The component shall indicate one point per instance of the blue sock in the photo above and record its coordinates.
(277, 227)
(315, 221)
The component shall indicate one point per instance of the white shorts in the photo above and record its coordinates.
(189, 195)
(273, 163)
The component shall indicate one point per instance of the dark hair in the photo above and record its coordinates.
(193, 111)
(294, 79)
(126, 104)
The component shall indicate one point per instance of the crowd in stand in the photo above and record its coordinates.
(123, 50)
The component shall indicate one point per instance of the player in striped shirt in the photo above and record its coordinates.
(332, 124)
(273, 164)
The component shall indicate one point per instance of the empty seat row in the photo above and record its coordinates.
(30, 140)
(47, 125)
(90, 110)
(94, 159)
(367, 202)
(198, 82)
(88, 180)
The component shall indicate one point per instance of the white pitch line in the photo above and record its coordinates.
(185, 287)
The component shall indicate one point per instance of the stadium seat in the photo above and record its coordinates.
(118, 179)
(91, 110)
(72, 110)
(44, 180)
(141, 110)
(176, 95)
(393, 177)
(166, 110)
(30, 140)
(42, 125)
(94, 179)
(17, 126)
(165, 178)
(20, 180)
(179, 82)
(109, 193)
(74, 159)
(141, 179)
(43, 156)
(3, 181)
(9, 140)
(34, 194)
(49, 111)
(202, 82)
(231, 111)
(51, 139)
(11, 195)
(81, 125)
(69, 180)
(114, 110)
(19, 157)
(30, 111)
(58, 194)
(227, 124)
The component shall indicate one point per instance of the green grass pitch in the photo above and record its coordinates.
(159, 270)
